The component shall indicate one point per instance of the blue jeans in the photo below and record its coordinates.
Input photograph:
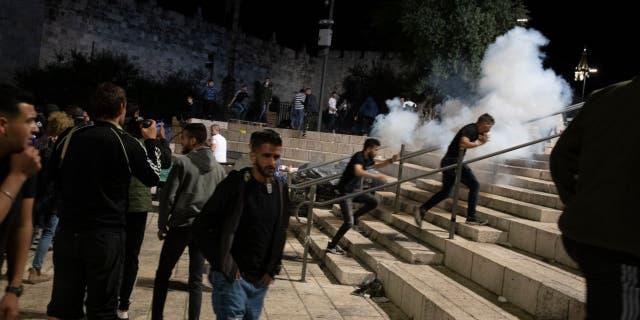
(236, 300)
(48, 230)
(297, 119)
(240, 111)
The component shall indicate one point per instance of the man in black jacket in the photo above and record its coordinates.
(93, 165)
(597, 182)
(243, 239)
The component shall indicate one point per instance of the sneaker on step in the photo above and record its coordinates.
(357, 228)
(476, 222)
(122, 314)
(419, 216)
(335, 250)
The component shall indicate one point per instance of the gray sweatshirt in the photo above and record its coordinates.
(190, 184)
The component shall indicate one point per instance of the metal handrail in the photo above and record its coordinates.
(328, 163)
(567, 109)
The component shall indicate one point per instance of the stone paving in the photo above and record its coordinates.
(320, 297)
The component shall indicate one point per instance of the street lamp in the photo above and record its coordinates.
(324, 41)
(583, 71)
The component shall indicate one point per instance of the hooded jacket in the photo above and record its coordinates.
(190, 184)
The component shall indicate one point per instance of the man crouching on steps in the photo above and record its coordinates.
(350, 182)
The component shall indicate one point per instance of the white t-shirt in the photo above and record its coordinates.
(332, 105)
(221, 148)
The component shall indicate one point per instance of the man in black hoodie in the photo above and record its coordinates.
(93, 165)
(242, 231)
(598, 183)
(191, 183)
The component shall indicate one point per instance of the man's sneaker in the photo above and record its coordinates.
(476, 222)
(335, 250)
(357, 228)
(35, 276)
(122, 314)
(419, 216)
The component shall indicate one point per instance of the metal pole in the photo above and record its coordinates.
(396, 204)
(325, 61)
(456, 190)
(307, 237)
(584, 84)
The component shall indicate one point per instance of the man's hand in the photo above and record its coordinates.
(9, 306)
(162, 234)
(395, 158)
(483, 137)
(382, 178)
(151, 132)
(26, 163)
(266, 280)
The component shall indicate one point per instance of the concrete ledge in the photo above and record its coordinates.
(527, 183)
(528, 163)
(526, 172)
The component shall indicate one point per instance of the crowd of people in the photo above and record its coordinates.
(88, 182)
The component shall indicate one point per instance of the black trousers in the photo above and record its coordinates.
(174, 244)
(613, 286)
(448, 180)
(349, 217)
(88, 262)
(136, 223)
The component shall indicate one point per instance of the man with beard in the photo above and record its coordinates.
(191, 183)
(18, 162)
(93, 165)
(242, 231)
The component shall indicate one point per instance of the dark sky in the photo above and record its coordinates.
(607, 29)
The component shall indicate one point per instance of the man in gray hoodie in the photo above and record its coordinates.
(191, 183)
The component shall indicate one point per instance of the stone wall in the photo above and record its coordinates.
(162, 41)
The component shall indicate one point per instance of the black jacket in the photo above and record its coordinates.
(594, 165)
(216, 225)
(93, 171)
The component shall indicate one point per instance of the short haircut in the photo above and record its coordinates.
(10, 99)
(57, 123)
(215, 126)
(268, 136)
(196, 130)
(486, 118)
(371, 142)
(107, 100)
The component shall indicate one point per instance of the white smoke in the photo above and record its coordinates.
(514, 88)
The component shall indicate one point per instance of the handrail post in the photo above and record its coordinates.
(307, 237)
(456, 190)
(396, 204)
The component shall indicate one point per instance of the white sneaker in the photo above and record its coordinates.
(122, 314)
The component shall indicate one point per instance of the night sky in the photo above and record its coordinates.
(606, 30)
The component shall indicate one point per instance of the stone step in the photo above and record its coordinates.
(543, 290)
(539, 238)
(540, 157)
(527, 183)
(398, 243)
(442, 219)
(419, 290)
(526, 195)
(344, 268)
(525, 172)
(519, 208)
(528, 163)
(288, 133)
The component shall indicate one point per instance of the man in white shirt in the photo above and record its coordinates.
(333, 111)
(218, 144)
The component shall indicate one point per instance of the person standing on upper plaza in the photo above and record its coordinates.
(311, 110)
(238, 102)
(266, 93)
(137, 211)
(243, 230)
(297, 113)
(350, 180)
(367, 114)
(93, 165)
(218, 144)
(18, 162)
(209, 97)
(332, 111)
(470, 136)
(191, 183)
(599, 189)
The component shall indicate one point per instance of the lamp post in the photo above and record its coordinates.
(324, 41)
(583, 71)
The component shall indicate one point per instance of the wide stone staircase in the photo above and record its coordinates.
(513, 268)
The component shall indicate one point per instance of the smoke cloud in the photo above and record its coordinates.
(514, 87)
